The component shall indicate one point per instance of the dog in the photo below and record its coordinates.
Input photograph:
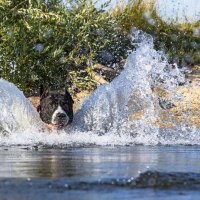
(55, 108)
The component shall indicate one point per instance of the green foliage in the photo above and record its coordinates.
(178, 40)
(44, 41)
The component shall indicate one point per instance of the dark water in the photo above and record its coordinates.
(131, 172)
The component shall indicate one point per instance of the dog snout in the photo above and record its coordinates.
(61, 115)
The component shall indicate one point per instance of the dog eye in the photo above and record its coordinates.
(64, 104)
(52, 104)
(62, 101)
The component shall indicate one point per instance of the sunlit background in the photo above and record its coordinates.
(169, 9)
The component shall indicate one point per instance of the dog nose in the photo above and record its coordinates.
(61, 115)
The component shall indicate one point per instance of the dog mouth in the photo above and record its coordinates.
(56, 126)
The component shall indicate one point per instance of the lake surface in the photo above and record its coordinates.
(95, 172)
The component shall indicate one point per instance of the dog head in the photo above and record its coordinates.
(56, 108)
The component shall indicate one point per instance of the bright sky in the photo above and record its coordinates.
(180, 8)
(172, 8)
(169, 8)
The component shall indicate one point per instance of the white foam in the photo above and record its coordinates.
(77, 138)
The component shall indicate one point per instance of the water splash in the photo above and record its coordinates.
(131, 103)
(127, 111)
(16, 111)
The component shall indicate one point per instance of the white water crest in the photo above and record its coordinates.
(124, 112)
(129, 105)
(16, 112)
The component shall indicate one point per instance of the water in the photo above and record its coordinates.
(130, 139)
(16, 111)
(100, 172)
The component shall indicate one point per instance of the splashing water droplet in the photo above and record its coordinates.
(39, 47)
(196, 32)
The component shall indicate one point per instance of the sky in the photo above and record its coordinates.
(173, 8)
(180, 8)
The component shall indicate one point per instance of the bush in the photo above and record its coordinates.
(43, 42)
(46, 42)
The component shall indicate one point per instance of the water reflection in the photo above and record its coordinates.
(97, 162)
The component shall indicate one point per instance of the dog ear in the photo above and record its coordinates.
(41, 89)
(43, 92)
(68, 96)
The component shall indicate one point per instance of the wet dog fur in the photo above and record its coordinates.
(56, 108)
